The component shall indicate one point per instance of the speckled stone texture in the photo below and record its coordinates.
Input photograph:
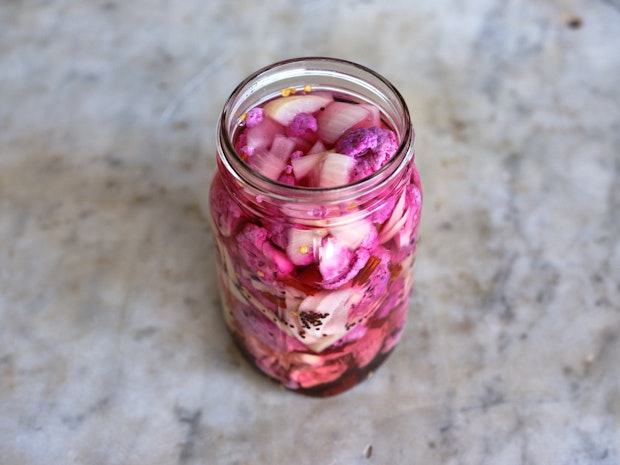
(112, 346)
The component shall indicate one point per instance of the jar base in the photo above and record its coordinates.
(348, 380)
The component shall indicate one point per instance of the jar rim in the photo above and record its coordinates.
(264, 185)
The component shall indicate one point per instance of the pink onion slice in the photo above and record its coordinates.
(284, 109)
(267, 163)
(352, 235)
(337, 118)
(303, 245)
(262, 135)
(336, 170)
(307, 164)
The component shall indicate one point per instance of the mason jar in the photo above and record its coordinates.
(314, 331)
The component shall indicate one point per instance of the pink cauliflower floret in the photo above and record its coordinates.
(372, 288)
(385, 210)
(226, 213)
(358, 142)
(413, 203)
(372, 147)
(251, 320)
(371, 240)
(268, 262)
(334, 259)
(254, 117)
(301, 124)
(355, 261)
(278, 232)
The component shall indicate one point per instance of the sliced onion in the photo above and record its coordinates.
(303, 244)
(352, 235)
(301, 143)
(267, 164)
(336, 170)
(262, 135)
(396, 220)
(282, 147)
(335, 305)
(284, 109)
(373, 118)
(389, 233)
(337, 118)
(307, 164)
(318, 147)
(405, 234)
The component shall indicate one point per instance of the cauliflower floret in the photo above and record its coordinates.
(254, 117)
(302, 123)
(371, 147)
(355, 262)
(261, 255)
(334, 259)
(226, 213)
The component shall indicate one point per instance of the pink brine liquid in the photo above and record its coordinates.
(316, 303)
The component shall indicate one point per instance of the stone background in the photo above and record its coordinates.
(112, 348)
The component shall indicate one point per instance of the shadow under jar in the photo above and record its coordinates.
(315, 250)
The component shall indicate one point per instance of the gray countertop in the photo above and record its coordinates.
(112, 346)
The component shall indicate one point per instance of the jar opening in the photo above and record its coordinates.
(350, 80)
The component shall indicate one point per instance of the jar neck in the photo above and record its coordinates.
(344, 78)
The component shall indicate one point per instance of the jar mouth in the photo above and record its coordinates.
(341, 76)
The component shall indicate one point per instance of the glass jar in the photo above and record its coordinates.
(315, 331)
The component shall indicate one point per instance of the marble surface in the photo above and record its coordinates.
(112, 348)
